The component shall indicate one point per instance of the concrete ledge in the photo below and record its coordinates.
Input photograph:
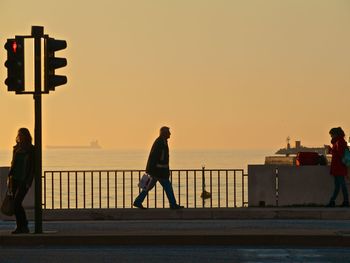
(199, 213)
(319, 213)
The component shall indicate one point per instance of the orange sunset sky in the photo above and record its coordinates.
(223, 74)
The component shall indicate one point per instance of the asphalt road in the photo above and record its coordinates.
(169, 254)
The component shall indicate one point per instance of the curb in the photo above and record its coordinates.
(198, 213)
(319, 213)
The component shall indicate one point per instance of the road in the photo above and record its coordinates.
(169, 254)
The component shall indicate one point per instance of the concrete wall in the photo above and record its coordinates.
(261, 185)
(28, 202)
(297, 185)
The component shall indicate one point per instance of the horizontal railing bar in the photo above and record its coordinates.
(137, 170)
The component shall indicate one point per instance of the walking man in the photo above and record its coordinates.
(158, 169)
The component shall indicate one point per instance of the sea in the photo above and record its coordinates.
(67, 185)
(104, 159)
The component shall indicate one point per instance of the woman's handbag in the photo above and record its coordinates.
(346, 157)
(8, 204)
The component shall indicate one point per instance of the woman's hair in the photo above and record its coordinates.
(24, 137)
(337, 132)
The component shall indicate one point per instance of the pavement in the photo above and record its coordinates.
(296, 227)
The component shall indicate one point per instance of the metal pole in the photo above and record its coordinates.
(37, 33)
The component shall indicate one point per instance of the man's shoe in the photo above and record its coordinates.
(17, 231)
(331, 204)
(345, 204)
(25, 230)
(139, 206)
(177, 206)
(21, 230)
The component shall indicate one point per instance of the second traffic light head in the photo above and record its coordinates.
(52, 63)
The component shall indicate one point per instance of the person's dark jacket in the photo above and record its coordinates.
(337, 151)
(22, 165)
(158, 160)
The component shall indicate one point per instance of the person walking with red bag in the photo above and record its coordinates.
(338, 169)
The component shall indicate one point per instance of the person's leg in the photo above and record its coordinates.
(345, 191)
(168, 188)
(141, 197)
(21, 219)
(336, 190)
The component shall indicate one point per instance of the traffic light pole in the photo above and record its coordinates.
(37, 33)
(16, 82)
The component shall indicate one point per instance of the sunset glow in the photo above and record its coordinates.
(221, 74)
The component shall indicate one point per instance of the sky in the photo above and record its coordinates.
(222, 74)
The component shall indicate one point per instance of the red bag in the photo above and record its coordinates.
(307, 158)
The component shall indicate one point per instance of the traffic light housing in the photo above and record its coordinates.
(51, 63)
(15, 64)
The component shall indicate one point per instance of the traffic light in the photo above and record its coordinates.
(15, 64)
(51, 63)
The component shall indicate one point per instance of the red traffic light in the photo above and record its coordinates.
(15, 64)
(14, 46)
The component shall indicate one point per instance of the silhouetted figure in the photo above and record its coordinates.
(158, 169)
(338, 169)
(21, 176)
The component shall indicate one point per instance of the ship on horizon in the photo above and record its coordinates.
(93, 145)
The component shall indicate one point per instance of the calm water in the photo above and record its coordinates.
(110, 189)
(76, 159)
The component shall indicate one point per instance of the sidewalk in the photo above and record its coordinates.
(248, 230)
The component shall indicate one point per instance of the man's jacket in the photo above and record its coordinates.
(158, 160)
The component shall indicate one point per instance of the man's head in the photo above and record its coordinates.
(165, 132)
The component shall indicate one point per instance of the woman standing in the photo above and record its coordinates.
(338, 169)
(21, 176)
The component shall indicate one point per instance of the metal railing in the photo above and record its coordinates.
(194, 188)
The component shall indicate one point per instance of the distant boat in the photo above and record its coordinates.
(93, 145)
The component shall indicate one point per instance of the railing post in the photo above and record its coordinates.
(276, 185)
(203, 185)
